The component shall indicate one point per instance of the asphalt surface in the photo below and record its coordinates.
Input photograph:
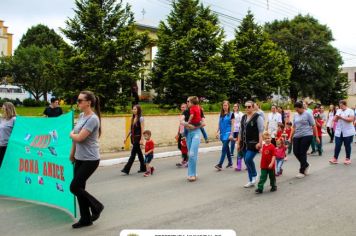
(322, 203)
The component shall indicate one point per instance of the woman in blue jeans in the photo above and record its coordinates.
(250, 140)
(193, 141)
(225, 133)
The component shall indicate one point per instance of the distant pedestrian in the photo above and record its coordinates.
(238, 116)
(181, 133)
(53, 110)
(330, 122)
(274, 118)
(344, 132)
(136, 137)
(280, 156)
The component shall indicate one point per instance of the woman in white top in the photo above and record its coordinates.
(330, 122)
(6, 126)
(344, 132)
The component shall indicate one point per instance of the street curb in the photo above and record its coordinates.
(116, 161)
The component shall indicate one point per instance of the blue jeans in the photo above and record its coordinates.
(251, 168)
(225, 151)
(279, 164)
(193, 141)
(347, 143)
(205, 135)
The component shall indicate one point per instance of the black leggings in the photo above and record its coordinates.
(331, 133)
(300, 148)
(82, 171)
(2, 153)
(136, 149)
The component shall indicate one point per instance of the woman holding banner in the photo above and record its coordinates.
(6, 125)
(85, 155)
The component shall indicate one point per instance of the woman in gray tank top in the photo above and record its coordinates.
(6, 125)
(85, 156)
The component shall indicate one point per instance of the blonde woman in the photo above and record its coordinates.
(6, 125)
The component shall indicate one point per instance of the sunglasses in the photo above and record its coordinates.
(81, 100)
(248, 107)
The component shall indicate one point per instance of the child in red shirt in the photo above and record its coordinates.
(184, 151)
(287, 133)
(280, 152)
(195, 112)
(319, 124)
(149, 147)
(267, 164)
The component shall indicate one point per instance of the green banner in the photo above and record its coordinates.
(36, 165)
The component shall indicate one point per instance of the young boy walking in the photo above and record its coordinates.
(267, 164)
(149, 147)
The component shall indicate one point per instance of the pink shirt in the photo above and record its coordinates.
(280, 152)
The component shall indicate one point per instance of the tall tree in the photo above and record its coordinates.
(5, 67)
(34, 68)
(108, 54)
(189, 59)
(41, 36)
(260, 66)
(314, 60)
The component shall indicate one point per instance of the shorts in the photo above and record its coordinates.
(148, 158)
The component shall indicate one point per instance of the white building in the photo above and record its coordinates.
(13, 92)
(351, 75)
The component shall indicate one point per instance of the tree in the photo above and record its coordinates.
(41, 36)
(333, 94)
(314, 60)
(34, 68)
(5, 67)
(188, 61)
(260, 66)
(108, 54)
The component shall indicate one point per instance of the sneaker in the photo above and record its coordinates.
(307, 170)
(300, 175)
(258, 191)
(185, 165)
(249, 185)
(277, 174)
(147, 173)
(254, 180)
(313, 153)
(229, 166)
(218, 167)
(320, 153)
(333, 160)
(347, 161)
(179, 165)
(237, 169)
(273, 189)
(286, 159)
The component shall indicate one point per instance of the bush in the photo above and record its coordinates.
(29, 102)
(266, 106)
(16, 101)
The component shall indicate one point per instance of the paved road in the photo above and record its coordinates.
(320, 204)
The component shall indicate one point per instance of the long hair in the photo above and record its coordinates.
(94, 103)
(222, 112)
(139, 114)
(9, 110)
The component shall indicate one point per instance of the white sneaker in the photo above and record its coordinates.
(254, 179)
(306, 171)
(300, 175)
(249, 185)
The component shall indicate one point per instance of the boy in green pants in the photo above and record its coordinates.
(267, 164)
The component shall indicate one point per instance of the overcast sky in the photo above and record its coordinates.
(19, 15)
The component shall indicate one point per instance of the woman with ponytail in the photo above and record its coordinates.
(85, 156)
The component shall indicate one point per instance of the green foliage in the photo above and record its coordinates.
(108, 54)
(35, 69)
(16, 101)
(29, 102)
(189, 60)
(260, 67)
(314, 60)
(5, 66)
(333, 95)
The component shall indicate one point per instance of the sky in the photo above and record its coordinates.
(19, 15)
